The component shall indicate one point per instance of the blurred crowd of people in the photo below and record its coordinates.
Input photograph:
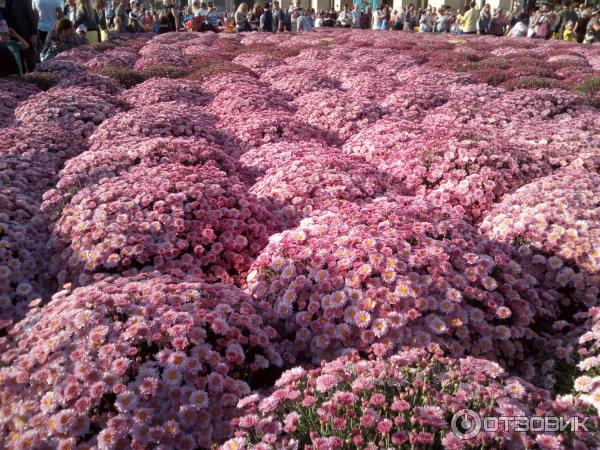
(34, 30)
(576, 23)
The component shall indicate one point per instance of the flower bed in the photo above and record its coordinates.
(145, 361)
(170, 216)
(405, 400)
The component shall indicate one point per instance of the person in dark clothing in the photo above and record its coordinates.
(278, 17)
(172, 15)
(21, 18)
(567, 15)
(266, 19)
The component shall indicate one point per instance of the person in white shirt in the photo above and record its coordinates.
(344, 18)
(356, 16)
(48, 13)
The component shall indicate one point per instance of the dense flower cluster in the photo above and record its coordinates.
(99, 83)
(78, 110)
(296, 81)
(314, 180)
(337, 112)
(157, 90)
(406, 400)
(109, 160)
(148, 361)
(168, 119)
(554, 223)
(380, 273)
(170, 216)
(116, 57)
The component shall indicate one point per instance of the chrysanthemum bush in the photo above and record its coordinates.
(295, 81)
(142, 362)
(166, 119)
(314, 180)
(8, 103)
(587, 385)
(18, 89)
(118, 57)
(470, 167)
(553, 223)
(170, 216)
(337, 112)
(157, 90)
(107, 160)
(77, 110)
(401, 401)
(47, 144)
(397, 273)
(257, 160)
(258, 62)
(24, 276)
(229, 104)
(101, 84)
(269, 126)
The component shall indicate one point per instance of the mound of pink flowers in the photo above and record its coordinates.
(382, 273)
(157, 90)
(147, 361)
(317, 179)
(401, 401)
(170, 216)
(77, 110)
(106, 160)
(337, 112)
(554, 223)
(167, 119)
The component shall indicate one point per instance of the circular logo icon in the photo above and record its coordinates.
(465, 424)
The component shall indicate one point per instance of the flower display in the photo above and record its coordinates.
(157, 90)
(8, 103)
(560, 243)
(166, 119)
(144, 361)
(170, 216)
(259, 62)
(78, 110)
(295, 81)
(18, 89)
(315, 179)
(105, 160)
(337, 112)
(117, 57)
(99, 83)
(361, 275)
(47, 144)
(407, 399)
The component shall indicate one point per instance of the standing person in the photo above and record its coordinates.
(136, 18)
(592, 34)
(172, 15)
(48, 12)
(110, 14)
(241, 18)
(582, 24)
(121, 15)
(513, 17)
(213, 19)
(266, 19)
(498, 23)
(87, 16)
(356, 16)
(441, 21)
(21, 18)
(541, 24)
(377, 18)
(102, 20)
(70, 10)
(11, 41)
(344, 18)
(254, 17)
(385, 25)
(366, 18)
(427, 21)
(567, 15)
(485, 17)
(278, 17)
(468, 22)
(410, 19)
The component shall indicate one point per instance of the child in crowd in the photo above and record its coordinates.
(10, 55)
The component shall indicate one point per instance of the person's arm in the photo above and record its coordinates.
(23, 44)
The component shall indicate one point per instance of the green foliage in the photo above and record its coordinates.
(43, 80)
(126, 77)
